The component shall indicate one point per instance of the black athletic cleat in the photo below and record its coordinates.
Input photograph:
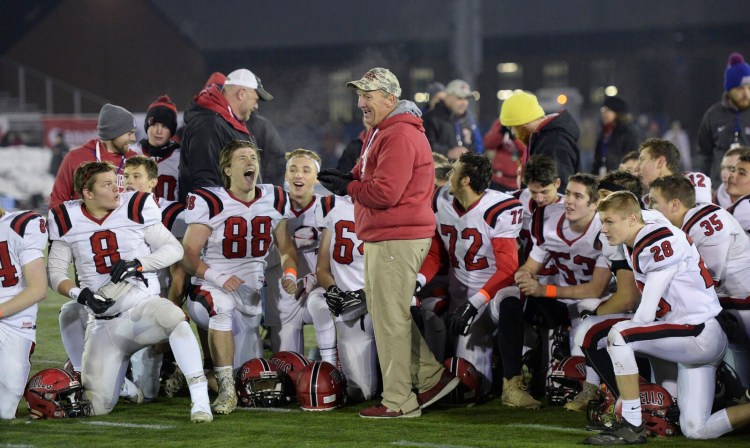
(622, 433)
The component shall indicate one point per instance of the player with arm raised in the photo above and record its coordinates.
(23, 283)
(118, 242)
(230, 231)
(477, 230)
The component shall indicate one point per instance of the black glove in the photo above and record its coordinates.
(353, 304)
(462, 319)
(336, 173)
(97, 303)
(333, 299)
(335, 181)
(124, 269)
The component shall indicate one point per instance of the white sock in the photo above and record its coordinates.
(128, 389)
(329, 355)
(198, 386)
(592, 377)
(185, 348)
(631, 411)
(223, 373)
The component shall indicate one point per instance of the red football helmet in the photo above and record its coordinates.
(468, 391)
(566, 380)
(288, 365)
(320, 387)
(659, 410)
(55, 393)
(258, 385)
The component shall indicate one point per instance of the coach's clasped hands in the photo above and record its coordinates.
(335, 181)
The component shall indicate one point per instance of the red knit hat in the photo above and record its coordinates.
(162, 111)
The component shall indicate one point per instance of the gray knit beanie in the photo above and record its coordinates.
(114, 121)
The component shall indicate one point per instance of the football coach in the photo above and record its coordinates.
(391, 187)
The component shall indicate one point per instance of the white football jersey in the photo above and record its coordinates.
(467, 236)
(575, 255)
(306, 235)
(23, 237)
(724, 247)
(97, 244)
(336, 213)
(173, 218)
(690, 297)
(549, 271)
(615, 255)
(167, 186)
(702, 184)
(241, 232)
(741, 212)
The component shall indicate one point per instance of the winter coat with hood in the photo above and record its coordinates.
(394, 180)
(209, 125)
(723, 125)
(557, 137)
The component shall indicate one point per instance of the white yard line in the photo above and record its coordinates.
(127, 425)
(268, 409)
(429, 445)
(12, 445)
(546, 428)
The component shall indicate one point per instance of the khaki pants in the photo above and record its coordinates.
(405, 360)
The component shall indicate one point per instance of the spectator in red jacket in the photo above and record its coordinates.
(504, 152)
(116, 133)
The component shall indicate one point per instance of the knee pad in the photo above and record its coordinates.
(623, 358)
(169, 316)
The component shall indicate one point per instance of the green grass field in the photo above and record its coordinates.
(165, 422)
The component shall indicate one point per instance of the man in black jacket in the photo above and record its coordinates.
(449, 126)
(726, 124)
(217, 116)
(554, 135)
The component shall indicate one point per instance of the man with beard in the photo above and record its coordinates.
(726, 124)
(217, 116)
(116, 133)
(554, 135)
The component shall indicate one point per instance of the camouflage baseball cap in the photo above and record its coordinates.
(377, 78)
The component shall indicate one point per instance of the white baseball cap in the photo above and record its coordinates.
(245, 78)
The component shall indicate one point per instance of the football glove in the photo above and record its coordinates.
(335, 181)
(333, 299)
(462, 319)
(124, 269)
(97, 303)
(353, 304)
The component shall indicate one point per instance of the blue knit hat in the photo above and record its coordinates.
(737, 73)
